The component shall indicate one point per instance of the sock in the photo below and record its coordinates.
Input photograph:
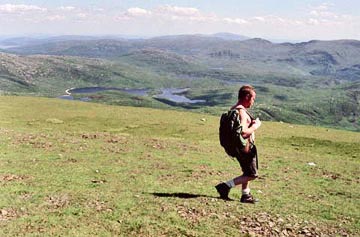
(246, 191)
(230, 183)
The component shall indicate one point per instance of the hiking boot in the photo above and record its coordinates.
(223, 190)
(248, 198)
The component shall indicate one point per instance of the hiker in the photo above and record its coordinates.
(248, 155)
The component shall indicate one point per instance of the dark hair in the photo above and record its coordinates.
(244, 91)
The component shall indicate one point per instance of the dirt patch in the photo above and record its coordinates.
(13, 178)
(191, 214)
(115, 148)
(99, 206)
(117, 139)
(265, 224)
(41, 141)
(58, 201)
(261, 224)
(156, 144)
(204, 171)
(26, 196)
(7, 214)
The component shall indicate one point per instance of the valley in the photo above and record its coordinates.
(315, 82)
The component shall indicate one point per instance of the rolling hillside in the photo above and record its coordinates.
(338, 58)
(315, 82)
(52, 75)
(86, 169)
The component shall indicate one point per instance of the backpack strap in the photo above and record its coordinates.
(242, 107)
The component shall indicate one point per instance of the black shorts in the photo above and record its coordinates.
(248, 162)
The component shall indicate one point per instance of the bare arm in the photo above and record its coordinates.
(248, 127)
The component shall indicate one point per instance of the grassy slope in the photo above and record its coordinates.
(88, 169)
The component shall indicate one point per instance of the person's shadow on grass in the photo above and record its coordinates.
(184, 195)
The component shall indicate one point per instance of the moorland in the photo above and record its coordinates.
(87, 169)
(315, 83)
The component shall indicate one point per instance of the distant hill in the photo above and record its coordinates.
(229, 36)
(30, 41)
(51, 75)
(338, 59)
(12, 42)
(315, 82)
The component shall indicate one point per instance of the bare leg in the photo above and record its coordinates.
(246, 197)
(244, 180)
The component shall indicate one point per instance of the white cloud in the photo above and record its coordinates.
(166, 13)
(235, 21)
(136, 12)
(178, 11)
(259, 18)
(324, 12)
(20, 8)
(321, 21)
(67, 8)
(313, 21)
(323, 6)
(55, 18)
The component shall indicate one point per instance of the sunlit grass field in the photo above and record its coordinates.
(71, 168)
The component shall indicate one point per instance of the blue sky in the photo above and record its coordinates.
(269, 19)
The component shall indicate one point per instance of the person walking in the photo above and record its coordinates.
(248, 154)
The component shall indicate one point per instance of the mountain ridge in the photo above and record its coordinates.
(328, 56)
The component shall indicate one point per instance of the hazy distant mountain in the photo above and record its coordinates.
(322, 58)
(230, 36)
(338, 59)
(29, 41)
(12, 42)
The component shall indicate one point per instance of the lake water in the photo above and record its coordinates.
(171, 94)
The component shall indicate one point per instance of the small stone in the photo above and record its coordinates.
(285, 233)
(288, 226)
(4, 212)
(276, 230)
(252, 234)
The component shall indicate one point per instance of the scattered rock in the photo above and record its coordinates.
(89, 136)
(98, 181)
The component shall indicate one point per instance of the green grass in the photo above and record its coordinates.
(70, 168)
